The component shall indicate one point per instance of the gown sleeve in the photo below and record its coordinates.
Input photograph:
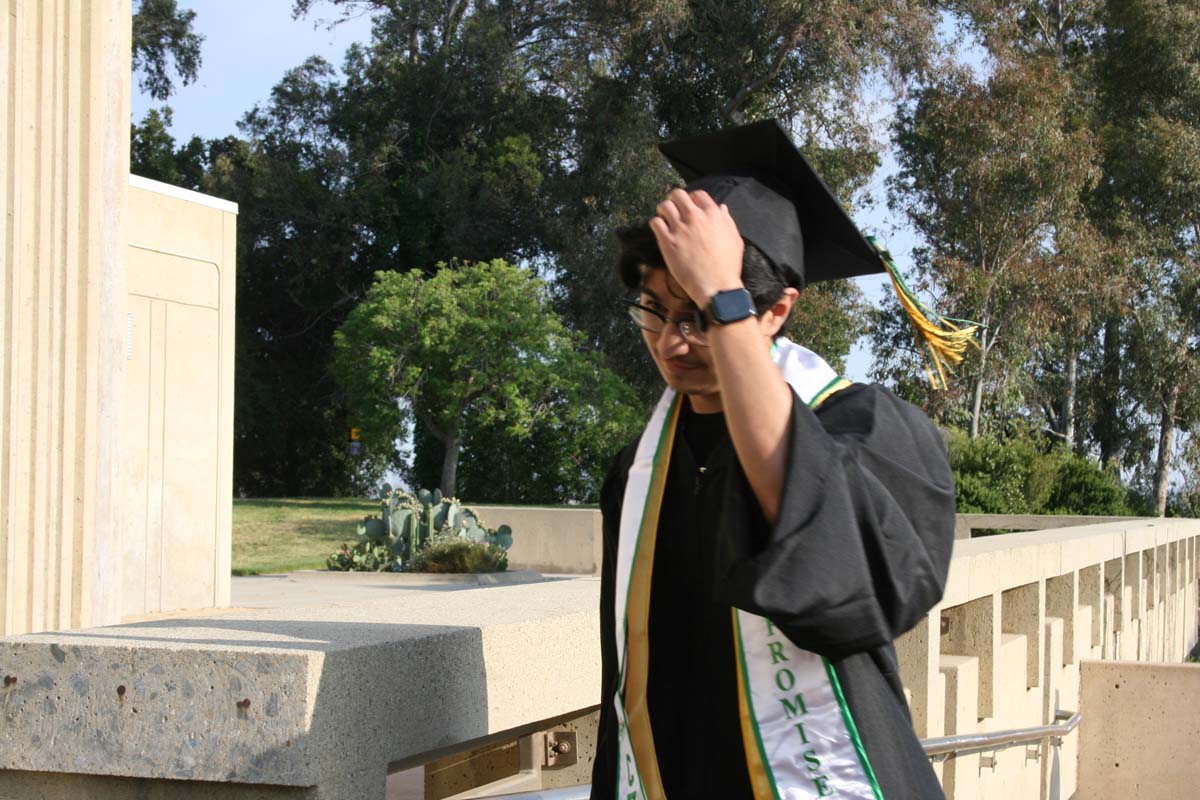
(861, 546)
(604, 768)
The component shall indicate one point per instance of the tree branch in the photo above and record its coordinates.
(729, 110)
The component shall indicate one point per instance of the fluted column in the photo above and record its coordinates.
(64, 166)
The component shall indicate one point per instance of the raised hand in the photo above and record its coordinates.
(700, 243)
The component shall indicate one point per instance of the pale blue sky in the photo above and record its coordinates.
(248, 45)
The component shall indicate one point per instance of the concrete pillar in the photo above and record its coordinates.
(973, 629)
(1133, 614)
(1062, 596)
(64, 141)
(1091, 595)
(1022, 611)
(1162, 631)
(917, 651)
(1114, 610)
(960, 773)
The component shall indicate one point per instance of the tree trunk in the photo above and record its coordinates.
(1067, 416)
(450, 466)
(1166, 442)
(1107, 429)
(977, 395)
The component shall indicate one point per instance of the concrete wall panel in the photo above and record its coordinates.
(550, 540)
(64, 162)
(1138, 737)
(168, 277)
(178, 418)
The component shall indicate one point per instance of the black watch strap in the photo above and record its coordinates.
(729, 306)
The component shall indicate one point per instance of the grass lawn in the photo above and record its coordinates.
(291, 534)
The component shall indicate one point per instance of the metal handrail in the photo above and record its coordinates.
(581, 792)
(943, 746)
(936, 748)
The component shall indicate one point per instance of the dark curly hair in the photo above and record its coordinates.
(639, 248)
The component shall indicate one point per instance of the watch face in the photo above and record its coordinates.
(732, 306)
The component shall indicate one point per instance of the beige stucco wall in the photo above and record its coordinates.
(178, 412)
(64, 166)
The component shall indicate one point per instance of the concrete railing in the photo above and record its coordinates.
(324, 701)
(558, 540)
(966, 524)
(1021, 611)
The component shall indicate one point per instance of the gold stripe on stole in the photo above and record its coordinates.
(760, 781)
(828, 392)
(637, 615)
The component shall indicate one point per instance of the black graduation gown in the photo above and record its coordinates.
(857, 556)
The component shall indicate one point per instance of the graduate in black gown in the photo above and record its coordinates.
(835, 522)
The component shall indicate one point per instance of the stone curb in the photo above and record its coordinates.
(510, 578)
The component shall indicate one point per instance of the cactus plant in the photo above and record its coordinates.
(408, 523)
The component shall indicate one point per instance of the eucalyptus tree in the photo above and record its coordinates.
(1086, 276)
(1151, 102)
(1067, 30)
(990, 175)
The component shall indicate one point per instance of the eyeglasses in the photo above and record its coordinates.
(691, 328)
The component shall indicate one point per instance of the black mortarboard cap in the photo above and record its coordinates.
(778, 201)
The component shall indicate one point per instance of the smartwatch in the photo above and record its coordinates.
(729, 306)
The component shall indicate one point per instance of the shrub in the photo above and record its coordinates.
(1015, 476)
(456, 554)
(994, 477)
(1083, 487)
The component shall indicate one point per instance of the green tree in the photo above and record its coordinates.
(153, 153)
(1151, 138)
(475, 347)
(164, 42)
(667, 69)
(524, 131)
(421, 153)
(301, 267)
(591, 414)
(992, 175)
(1019, 475)
(625, 75)
(994, 476)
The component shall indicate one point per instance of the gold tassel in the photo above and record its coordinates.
(940, 340)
